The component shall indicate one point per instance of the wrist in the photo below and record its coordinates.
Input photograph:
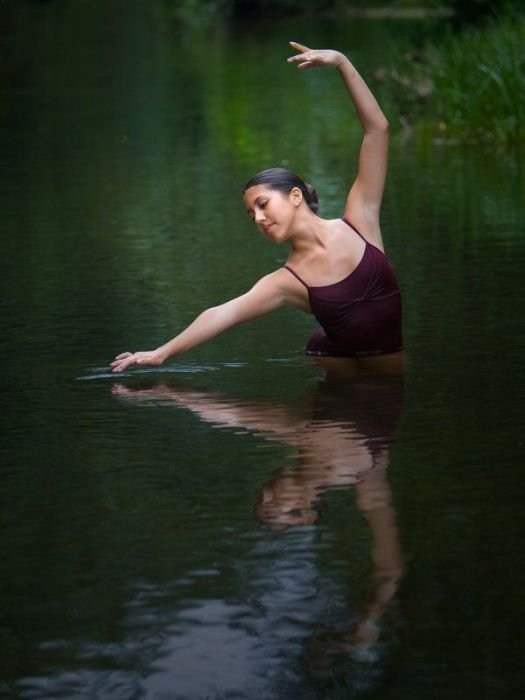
(160, 355)
(346, 67)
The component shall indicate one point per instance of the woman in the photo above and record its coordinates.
(336, 268)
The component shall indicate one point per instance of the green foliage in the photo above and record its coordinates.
(480, 86)
(468, 88)
(200, 12)
(478, 11)
(471, 11)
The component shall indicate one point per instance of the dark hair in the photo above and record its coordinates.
(284, 181)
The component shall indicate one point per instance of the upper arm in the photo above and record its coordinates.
(266, 295)
(363, 203)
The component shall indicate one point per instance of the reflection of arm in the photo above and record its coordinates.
(374, 500)
(223, 412)
(254, 418)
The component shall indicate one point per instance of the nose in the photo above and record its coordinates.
(259, 216)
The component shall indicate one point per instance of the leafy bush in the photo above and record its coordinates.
(470, 87)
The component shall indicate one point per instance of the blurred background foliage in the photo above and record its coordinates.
(462, 11)
(198, 12)
(461, 87)
(458, 77)
(202, 12)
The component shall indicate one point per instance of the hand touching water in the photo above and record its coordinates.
(127, 359)
(315, 58)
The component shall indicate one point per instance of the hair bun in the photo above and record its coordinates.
(312, 199)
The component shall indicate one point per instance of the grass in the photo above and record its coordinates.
(468, 88)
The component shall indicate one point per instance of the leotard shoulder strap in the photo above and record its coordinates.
(348, 223)
(350, 226)
(296, 275)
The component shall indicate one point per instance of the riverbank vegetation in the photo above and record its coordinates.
(466, 84)
(202, 11)
(457, 76)
(468, 87)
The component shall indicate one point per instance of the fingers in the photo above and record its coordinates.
(127, 359)
(314, 58)
(123, 361)
(120, 366)
(120, 359)
(123, 355)
(306, 60)
(299, 47)
(304, 65)
(295, 59)
(299, 57)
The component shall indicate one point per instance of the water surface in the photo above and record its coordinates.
(238, 524)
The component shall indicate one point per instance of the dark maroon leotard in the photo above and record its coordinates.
(361, 314)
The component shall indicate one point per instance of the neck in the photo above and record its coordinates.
(309, 232)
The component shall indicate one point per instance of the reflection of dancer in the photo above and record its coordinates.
(336, 269)
(343, 439)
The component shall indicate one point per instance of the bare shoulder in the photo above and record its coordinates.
(267, 294)
(288, 287)
(365, 220)
(278, 279)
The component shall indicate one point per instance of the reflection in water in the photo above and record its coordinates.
(341, 439)
(277, 612)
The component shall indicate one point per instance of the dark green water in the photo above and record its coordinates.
(237, 524)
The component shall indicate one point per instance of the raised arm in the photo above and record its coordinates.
(269, 293)
(364, 198)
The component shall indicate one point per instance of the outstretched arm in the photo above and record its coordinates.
(269, 293)
(364, 198)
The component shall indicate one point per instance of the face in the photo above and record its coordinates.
(272, 211)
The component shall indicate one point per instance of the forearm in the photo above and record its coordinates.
(367, 108)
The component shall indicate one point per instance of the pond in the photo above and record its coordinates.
(240, 524)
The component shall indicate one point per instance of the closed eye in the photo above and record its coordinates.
(261, 205)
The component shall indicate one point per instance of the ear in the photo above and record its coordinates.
(296, 196)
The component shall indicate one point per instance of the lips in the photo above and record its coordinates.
(267, 228)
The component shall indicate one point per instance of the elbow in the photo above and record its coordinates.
(380, 125)
(220, 317)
